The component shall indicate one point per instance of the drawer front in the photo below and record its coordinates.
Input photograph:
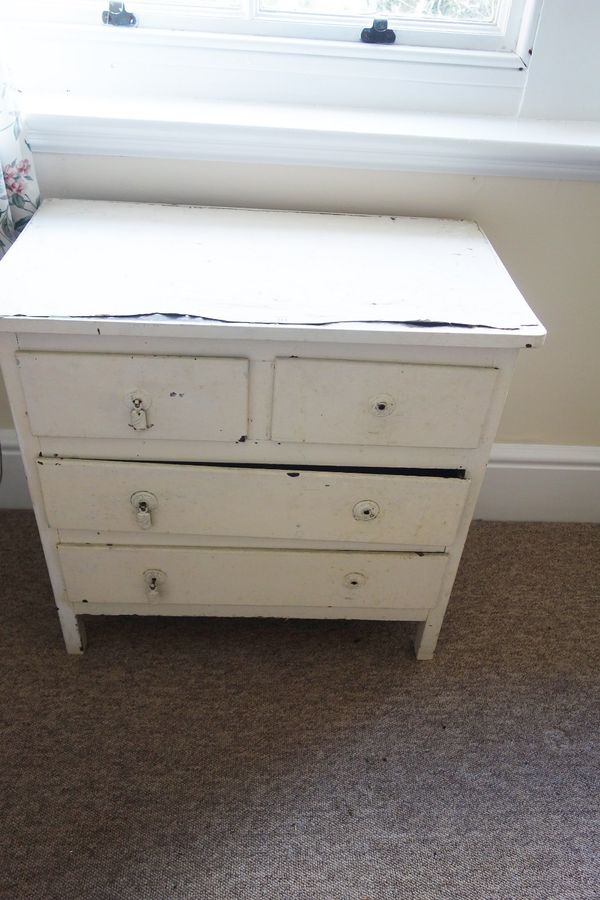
(407, 405)
(244, 502)
(278, 578)
(140, 397)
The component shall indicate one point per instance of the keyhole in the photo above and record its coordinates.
(143, 506)
(365, 509)
(354, 579)
(153, 580)
(383, 405)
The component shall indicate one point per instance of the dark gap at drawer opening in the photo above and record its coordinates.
(291, 469)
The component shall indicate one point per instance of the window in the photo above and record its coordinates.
(476, 24)
(461, 24)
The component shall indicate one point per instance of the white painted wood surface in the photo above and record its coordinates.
(332, 401)
(278, 578)
(85, 395)
(220, 610)
(266, 503)
(257, 266)
(450, 398)
(72, 626)
(377, 335)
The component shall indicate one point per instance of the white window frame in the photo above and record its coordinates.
(70, 52)
(511, 36)
(504, 36)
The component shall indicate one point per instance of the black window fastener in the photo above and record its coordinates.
(378, 33)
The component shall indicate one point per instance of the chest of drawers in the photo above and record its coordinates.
(227, 412)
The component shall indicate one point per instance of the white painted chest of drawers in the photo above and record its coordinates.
(229, 412)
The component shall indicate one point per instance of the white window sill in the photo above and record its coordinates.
(157, 66)
(349, 138)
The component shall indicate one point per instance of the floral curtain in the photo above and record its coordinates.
(19, 192)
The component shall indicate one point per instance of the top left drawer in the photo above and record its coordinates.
(93, 395)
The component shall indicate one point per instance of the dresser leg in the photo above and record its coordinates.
(427, 635)
(73, 629)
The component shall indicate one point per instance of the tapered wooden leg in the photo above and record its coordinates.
(73, 629)
(427, 634)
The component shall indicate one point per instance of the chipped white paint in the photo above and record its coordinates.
(224, 539)
(257, 266)
(265, 503)
(116, 575)
(181, 398)
(336, 402)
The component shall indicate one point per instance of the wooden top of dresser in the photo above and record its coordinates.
(87, 267)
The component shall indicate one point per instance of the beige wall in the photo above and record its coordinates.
(546, 232)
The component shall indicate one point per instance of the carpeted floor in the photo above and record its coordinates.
(242, 759)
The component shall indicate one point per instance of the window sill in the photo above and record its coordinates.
(347, 138)
(150, 65)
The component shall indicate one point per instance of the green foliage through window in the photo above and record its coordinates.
(481, 11)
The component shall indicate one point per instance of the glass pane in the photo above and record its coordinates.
(197, 5)
(481, 11)
(218, 4)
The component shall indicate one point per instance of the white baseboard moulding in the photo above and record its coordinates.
(541, 483)
(14, 493)
(524, 482)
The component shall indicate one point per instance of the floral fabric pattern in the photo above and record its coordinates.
(19, 192)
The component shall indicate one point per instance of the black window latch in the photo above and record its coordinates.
(378, 33)
(116, 14)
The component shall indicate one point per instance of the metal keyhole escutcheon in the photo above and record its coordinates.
(143, 503)
(153, 579)
(139, 403)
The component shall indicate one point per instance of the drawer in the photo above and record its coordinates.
(407, 405)
(95, 396)
(251, 502)
(277, 578)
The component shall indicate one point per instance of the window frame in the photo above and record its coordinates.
(513, 38)
(503, 36)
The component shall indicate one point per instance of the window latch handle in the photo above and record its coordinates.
(116, 14)
(378, 33)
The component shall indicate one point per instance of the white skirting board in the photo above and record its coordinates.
(14, 493)
(524, 482)
(541, 483)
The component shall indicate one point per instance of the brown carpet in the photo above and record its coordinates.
(244, 759)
